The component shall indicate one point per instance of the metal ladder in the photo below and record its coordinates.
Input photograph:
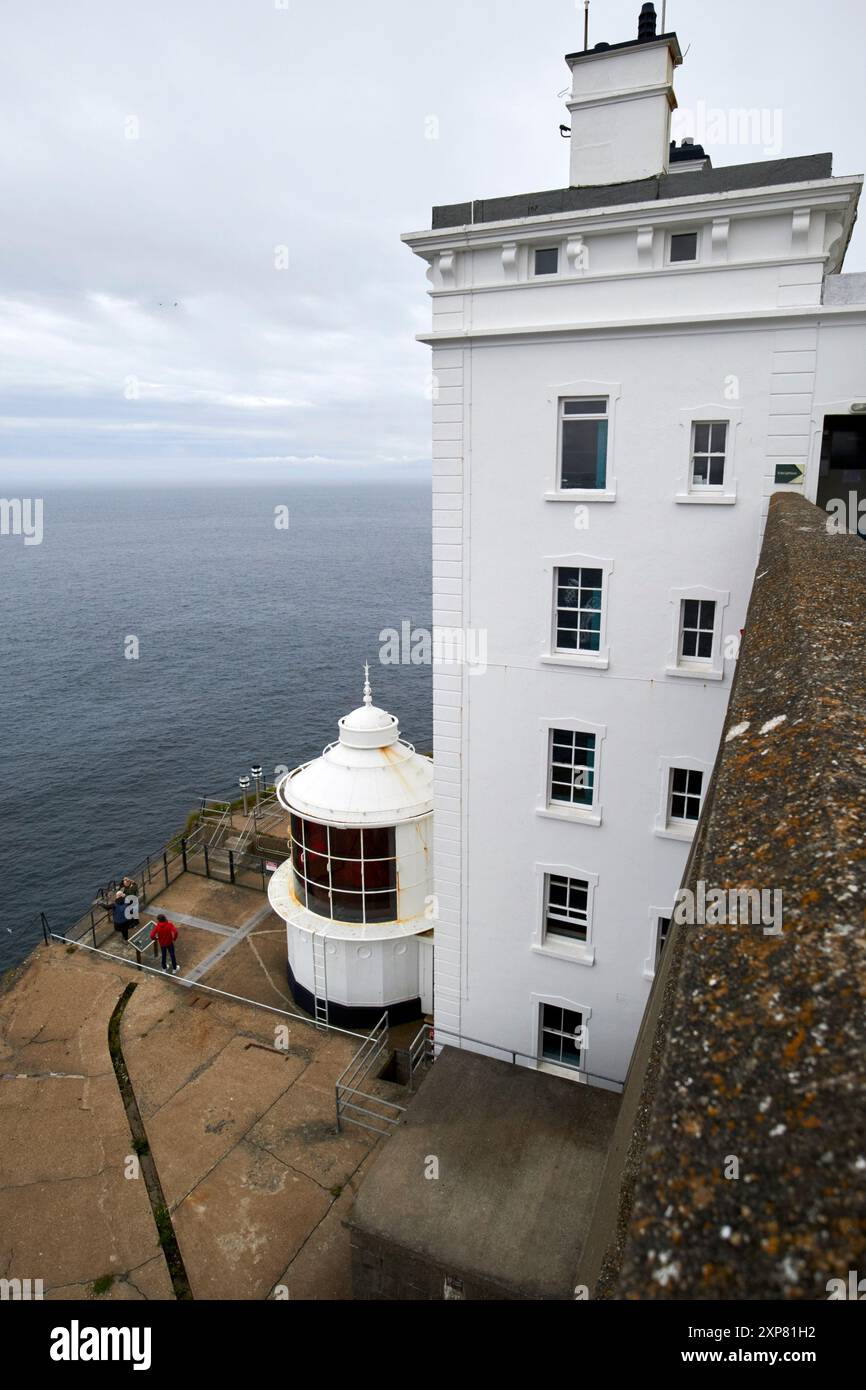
(320, 982)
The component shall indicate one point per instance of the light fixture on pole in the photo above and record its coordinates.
(257, 774)
(244, 783)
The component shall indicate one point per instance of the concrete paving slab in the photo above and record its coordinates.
(58, 1128)
(201, 1123)
(321, 1270)
(150, 1281)
(228, 904)
(239, 1225)
(300, 1129)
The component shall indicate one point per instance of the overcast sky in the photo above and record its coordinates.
(153, 156)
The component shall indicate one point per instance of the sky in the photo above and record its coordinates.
(202, 277)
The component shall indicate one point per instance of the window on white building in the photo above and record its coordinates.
(566, 907)
(709, 451)
(561, 1036)
(583, 433)
(663, 927)
(684, 799)
(572, 768)
(683, 247)
(578, 609)
(697, 629)
(546, 260)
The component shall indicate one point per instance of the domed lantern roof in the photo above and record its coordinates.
(370, 776)
(368, 726)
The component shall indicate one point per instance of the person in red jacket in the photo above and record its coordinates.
(165, 932)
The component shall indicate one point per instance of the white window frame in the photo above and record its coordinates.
(670, 233)
(536, 1023)
(563, 947)
(650, 965)
(550, 656)
(711, 412)
(709, 454)
(697, 668)
(677, 829)
(556, 810)
(702, 630)
(562, 391)
(564, 418)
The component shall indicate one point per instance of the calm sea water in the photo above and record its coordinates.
(251, 646)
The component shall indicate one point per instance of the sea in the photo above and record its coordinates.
(159, 643)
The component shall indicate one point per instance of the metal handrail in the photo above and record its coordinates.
(348, 1083)
(421, 1049)
(514, 1053)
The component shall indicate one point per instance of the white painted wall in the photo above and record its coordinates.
(741, 335)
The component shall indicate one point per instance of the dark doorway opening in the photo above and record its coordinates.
(842, 475)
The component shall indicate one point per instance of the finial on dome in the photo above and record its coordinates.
(368, 693)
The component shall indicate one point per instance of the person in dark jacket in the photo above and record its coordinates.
(165, 932)
(119, 916)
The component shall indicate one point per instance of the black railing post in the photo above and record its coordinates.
(206, 862)
(165, 866)
(183, 851)
(231, 865)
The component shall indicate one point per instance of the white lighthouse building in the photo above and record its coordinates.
(625, 369)
(356, 893)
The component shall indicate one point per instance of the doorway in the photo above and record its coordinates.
(842, 474)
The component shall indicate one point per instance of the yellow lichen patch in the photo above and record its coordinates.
(791, 1049)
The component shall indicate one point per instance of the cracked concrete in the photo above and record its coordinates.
(241, 1127)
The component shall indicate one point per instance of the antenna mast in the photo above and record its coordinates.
(585, 25)
(664, 15)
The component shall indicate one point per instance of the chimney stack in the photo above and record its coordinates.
(621, 102)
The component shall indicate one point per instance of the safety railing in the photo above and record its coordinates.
(361, 1107)
(441, 1037)
(421, 1052)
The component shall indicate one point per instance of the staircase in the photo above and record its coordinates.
(215, 818)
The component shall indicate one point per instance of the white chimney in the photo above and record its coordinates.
(621, 102)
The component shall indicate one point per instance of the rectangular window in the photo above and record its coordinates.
(546, 260)
(578, 610)
(566, 907)
(572, 768)
(662, 929)
(685, 795)
(583, 444)
(709, 449)
(684, 246)
(697, 629)
(561, 1035)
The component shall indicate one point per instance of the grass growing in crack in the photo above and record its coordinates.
(101, 1285)
(163, 1226)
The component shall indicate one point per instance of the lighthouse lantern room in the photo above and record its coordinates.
(356, 893)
